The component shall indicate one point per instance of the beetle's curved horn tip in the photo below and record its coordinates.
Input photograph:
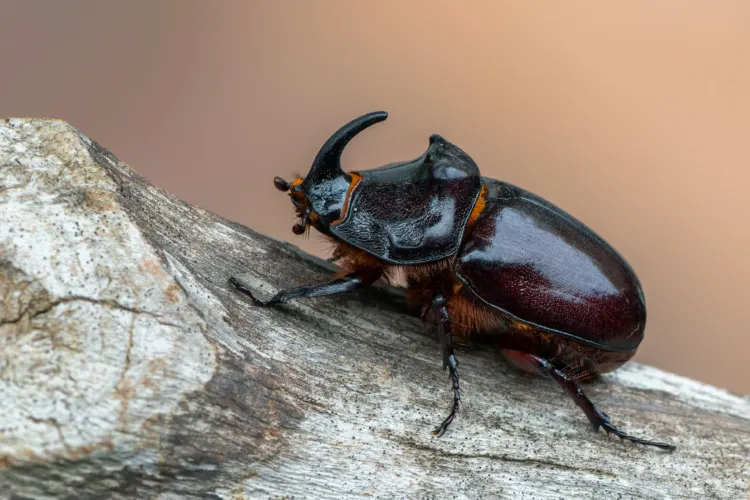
(369, 119)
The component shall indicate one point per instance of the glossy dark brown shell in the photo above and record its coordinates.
(539, 265)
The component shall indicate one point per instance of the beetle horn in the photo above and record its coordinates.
(327, 164)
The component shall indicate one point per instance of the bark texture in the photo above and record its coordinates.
(129, 368)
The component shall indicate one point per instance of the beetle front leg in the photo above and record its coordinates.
(348, 283)
(597, 417)
(449, 358)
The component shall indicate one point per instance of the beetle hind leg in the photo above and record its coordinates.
(597, 417)
(449, 359)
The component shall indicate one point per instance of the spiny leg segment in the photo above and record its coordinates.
(449, 358)
(596, 416)
(345, 284)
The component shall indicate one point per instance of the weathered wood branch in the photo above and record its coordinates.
(129, 368)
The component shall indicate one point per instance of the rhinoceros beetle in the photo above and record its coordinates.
(480, 256)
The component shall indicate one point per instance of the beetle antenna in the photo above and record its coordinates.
(280, 184)
(301, 226)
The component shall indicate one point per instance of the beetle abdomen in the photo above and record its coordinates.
(538, 264)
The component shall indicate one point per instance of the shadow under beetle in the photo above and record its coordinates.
(480, 256)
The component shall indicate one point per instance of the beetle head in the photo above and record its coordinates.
(319, 197)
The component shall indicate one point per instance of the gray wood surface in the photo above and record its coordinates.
(128, 368)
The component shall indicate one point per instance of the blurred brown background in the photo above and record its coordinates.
(634, 117)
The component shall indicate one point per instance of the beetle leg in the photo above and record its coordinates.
(449, 358)
(347, 283)
(596, 416)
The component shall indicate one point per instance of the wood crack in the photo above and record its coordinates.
(78, 298)
(54, 423)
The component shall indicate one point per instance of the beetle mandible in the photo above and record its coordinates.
(482, 255)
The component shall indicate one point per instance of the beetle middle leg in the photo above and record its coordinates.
(348, 283)
(449, 358)
(596, 416)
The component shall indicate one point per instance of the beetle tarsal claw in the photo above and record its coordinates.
(611, 429)
(440, 429)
